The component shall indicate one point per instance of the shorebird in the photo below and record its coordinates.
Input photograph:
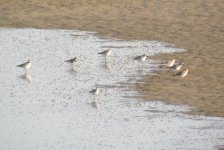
(71, 60)
(141, 58)
(182, 73)
(170, 63)
(25, 65)
(178, 66)
(95, 91)
(106, 52)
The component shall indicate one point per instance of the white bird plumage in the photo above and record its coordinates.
(183, 73)
(141, 58)
(171, 63)
(106, 52)
(71, 60)
(178, 66)
(95, 91)
(25, 65)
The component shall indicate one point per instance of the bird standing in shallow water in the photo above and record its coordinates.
(106, 52)
(72, 60)
(141, 58)
(170, 63)
(182, 73)
(25, 65)
(95, 91)
(178, 66)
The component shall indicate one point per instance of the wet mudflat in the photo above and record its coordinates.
(49, 107)
(194, 25)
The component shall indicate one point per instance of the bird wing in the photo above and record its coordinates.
(71, 60)
(92, 91)
(179, 73)
(21, 65)
(103, 52)
(68, 60)
(174, 66)
(138, 57)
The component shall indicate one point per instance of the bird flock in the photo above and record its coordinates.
(170, 64)
(177, 66)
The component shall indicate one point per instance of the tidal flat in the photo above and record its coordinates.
(49, 106)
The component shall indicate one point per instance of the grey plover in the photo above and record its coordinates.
(95, 91)
(183, 73)
(177, 67)
(106, 52)
(71, 60)
(25, 65)
(170, 63)
(141, 58)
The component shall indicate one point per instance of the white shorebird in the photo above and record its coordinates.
(182, 73)
(71, 60)
(25, 65)
(106, 52)
(141, 58)
(95, 91)
(178, 66)
(170, 63)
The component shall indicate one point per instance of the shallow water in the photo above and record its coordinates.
(50, 106)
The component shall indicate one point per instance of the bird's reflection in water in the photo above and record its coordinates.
(107, 66)
(96, 103)
(26, 76)
(72, 70)
(141, 71)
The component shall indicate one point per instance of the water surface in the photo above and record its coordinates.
(50, 106)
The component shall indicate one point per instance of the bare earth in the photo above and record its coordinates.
(197, 26)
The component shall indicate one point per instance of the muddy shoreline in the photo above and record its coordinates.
(195, 26)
